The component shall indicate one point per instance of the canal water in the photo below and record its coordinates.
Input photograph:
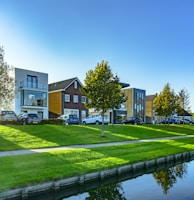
(175, 182)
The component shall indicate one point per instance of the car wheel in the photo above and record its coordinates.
(97, 122)
(84, 123)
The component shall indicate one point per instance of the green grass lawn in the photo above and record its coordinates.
(24, 170)
(40, 136)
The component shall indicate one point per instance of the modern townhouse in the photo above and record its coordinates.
(136, 102)
(65, 98)
(31, 92)
(133, 107)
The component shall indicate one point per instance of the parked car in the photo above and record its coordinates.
(96, 119)
(170, 121)
(188, 121)
(179, 121)
(29, 118)
(63, 117)
(132, 120)
(72, 119)
(6, 115)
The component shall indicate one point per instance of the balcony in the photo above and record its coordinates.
(31, 85)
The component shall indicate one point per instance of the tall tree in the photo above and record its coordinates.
(6, 83)
(183, 102)
(165, 102)
(102, 89)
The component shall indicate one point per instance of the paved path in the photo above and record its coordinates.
(30, 151)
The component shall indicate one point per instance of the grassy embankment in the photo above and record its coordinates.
(23, 170)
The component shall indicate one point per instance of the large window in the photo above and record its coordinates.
(139, 102)
(33, 98)
(32, 81)
(83, 114)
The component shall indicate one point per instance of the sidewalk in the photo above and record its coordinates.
(31, 151)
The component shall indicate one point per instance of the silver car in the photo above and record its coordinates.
(96, 119)
(6, 115)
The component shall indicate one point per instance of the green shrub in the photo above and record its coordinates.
(52, 121)
(9, 122)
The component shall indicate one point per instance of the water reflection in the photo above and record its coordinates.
(171, 183)
(168, 177)
(112, 192)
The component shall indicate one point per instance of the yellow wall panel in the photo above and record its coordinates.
(55, 102)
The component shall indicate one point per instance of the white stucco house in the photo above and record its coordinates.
(31, 92)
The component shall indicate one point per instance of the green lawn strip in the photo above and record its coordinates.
(40, 136)
(25, 170)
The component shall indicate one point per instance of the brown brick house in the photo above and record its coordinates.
(66, 98)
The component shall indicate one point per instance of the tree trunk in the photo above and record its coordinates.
(102, 131)
(112, 120)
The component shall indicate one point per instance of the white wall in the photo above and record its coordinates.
(21, 75)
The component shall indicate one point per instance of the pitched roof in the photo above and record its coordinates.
(62, 85)
(183, 113)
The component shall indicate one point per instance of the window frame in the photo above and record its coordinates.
(75, 98)
(67, 98)
(83, 97)
(75, 84)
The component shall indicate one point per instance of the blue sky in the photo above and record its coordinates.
(147, 43)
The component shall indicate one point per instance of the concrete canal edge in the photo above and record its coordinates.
(119, 173)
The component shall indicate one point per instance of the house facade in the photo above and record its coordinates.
(133, 107)
(65, 98)
(136, 102)
(31, 92)
(150, 114)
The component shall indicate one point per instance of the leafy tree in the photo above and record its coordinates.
(6, 83)
(183, 102)
(118, 99)
(102, 89)
(165, 102)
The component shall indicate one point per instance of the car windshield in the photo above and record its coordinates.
(73, 116)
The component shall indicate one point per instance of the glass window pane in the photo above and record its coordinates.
(67, 97)
(75, 98)
(34, 98)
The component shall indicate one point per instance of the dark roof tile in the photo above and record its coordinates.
(62, 84)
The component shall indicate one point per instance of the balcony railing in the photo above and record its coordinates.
(24, 84)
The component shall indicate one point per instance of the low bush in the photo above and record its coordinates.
(52, 121)
(9, 122)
